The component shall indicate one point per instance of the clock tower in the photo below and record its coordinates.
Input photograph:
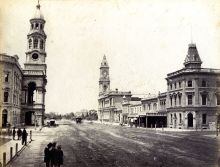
(34, 78)
(104, 80)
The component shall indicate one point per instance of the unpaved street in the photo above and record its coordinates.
(94, 145)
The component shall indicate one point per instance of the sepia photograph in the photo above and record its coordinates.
(109, 83)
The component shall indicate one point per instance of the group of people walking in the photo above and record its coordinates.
(21, 135)
(53, 156)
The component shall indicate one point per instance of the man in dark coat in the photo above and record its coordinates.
(24, 137)
(47, 154)
(53, 155)
(13, 133)
(59, 156)
(19, 133)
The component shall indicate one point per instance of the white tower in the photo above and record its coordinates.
(34, 81)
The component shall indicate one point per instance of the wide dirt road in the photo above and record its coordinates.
(98, 145)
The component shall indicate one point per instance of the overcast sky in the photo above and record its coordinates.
(142, 40)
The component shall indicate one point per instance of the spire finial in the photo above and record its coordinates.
(38, 4)
(191, 36)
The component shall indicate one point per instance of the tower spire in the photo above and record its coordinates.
(191, 36)
(38, 4)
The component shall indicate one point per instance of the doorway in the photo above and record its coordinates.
(190, 120)
(28, 118)
(4, 118)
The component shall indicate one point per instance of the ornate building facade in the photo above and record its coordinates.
(193, 94)
(192, 99)
(23, 90)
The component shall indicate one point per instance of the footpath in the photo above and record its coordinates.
(10, 148)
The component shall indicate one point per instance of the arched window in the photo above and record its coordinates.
(37, 25)
(35, 43)
(30, 43)
(41, 44)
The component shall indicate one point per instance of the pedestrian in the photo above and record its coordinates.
(47, 154)
(59, 156)
(13, 133)
(19, 133)
(53, 153)
(24, 137)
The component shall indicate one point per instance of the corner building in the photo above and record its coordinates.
(193, 94)
(23, 95)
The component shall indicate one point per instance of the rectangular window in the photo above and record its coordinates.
(149, 107)
(5, 96)
(171, 118)
(204, 99)
(189, 83)
(179, 84)
(175, 85)
(203, 83)
(171, 101)
(180, 118)
(180, 100)
(218, 99)
(189, 99)
(204, 118)
(217, 83)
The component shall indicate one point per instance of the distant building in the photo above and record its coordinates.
(155, 110)
(110, 102)
(23, 95)
(193, 94)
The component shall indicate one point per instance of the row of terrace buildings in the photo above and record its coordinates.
(192, 99)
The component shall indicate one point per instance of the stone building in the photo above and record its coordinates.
(155, 110)
(23, 95)
(110, 102)
(11, 90)
(193, 94)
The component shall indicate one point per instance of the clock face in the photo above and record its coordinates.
(35, 56)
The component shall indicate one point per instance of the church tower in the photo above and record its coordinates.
(34, 79)
(104, 80)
